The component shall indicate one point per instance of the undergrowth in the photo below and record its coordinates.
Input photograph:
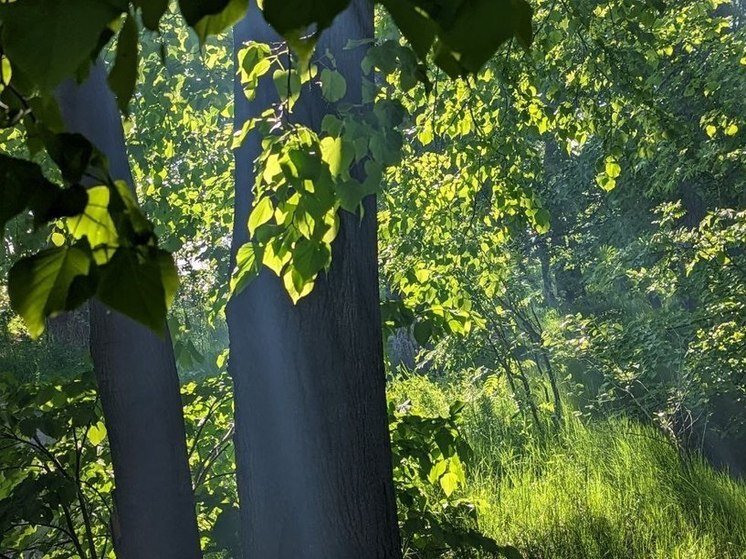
(611, 488)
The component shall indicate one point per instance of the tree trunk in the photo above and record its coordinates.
(312, 443)
(137, 383)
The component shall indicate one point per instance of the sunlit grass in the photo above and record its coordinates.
(611, 489)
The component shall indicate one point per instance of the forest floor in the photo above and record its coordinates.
(611, 488)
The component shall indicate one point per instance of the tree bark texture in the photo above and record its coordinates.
(137, 382)
(312, 442)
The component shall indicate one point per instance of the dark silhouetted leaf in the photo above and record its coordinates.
(194, 10)
(133, 284)
(217, 23)
(123, 76)
(71, 152)
(48, 40)
(152, 11)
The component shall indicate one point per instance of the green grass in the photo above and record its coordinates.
(611, 489)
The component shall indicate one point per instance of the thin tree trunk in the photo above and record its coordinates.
(137, 383)
(312, 443)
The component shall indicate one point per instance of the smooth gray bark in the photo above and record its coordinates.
(137, 382)
(312, 442)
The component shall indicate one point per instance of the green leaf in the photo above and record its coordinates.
(254, 62)
(42, 285)
(6, 72)
(275, 255)
(541, 219)
(51, 204)
(252, 58)
(123, 76)
(606, 182)
(419, 29)
(127, 202)
(20, 181)
(261, 214)
(422, 331)
(332, 125)
(612, 168)
(48, 40)
(475, 35)
(438, 469)
(456, 407)
(338, 155)
(333, 85)
(287, 84)
(295, 284)
(310, 257)
(132, 283)
(217, 23)
(298, 15)
(352, 192)
(169, 275)
(464, 35)
(72, 153)
(449, 482)
(522, 28)
(95, 223)
(97, 433)
(248, 266)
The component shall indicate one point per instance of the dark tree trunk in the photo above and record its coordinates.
(71, 329)
(137, 383)
(313, 451)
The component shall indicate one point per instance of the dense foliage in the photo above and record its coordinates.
(561, 242)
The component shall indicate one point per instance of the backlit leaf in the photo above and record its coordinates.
(261, 214)
(449, 482)
(333, 85)
(97, 433)
(247, 268)
(95, 223)
(40, 285)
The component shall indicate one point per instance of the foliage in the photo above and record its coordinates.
(56, 480)
(43, 44)
(208, 413)
(480, 278)
(305, 177)
(561, 238)
(430, 461)
(178, 139)
(606, 488)
(680, 360)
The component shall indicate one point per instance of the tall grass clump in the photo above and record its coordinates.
(608, 488)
